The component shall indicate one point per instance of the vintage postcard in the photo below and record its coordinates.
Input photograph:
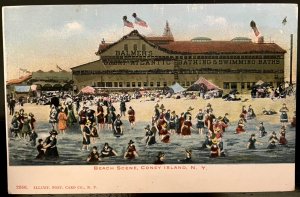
(150, 98)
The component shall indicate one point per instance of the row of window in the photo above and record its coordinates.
(226, 85)
(135, 47)
(244, 85)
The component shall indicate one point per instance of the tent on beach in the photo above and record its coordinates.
(176, 88)
(203, 83)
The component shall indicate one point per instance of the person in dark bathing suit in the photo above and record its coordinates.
(160, 158)
(94, 156)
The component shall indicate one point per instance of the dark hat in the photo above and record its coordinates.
(131, 142)
(160, 154)
(53, 132)
(182, 113)
(106, 144)
(226, 114)
(118, 116)
(21, 109)
(261, 123)
(274, 133)
(40, 140)
(253, 134)
(162, 106)
(157, 105)
(220, 118)
(190, 108)
(95, 147)
(208, 105)
(147, 127)
(31, 114)
(173, 112)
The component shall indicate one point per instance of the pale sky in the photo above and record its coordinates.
(41, 37)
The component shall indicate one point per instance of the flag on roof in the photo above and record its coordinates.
(253, 26)
(127, 23)
(59, 68)
(139, 21)
(284, 21)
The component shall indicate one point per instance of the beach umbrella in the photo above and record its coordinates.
(88, 90)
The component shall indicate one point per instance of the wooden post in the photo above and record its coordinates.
(291, 60)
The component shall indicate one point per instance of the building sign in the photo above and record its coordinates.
(147, 58)
(134, 53)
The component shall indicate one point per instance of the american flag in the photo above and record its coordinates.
(139, 21)
(127, 23)
(284, 21)
(59, 68)
(253, 26)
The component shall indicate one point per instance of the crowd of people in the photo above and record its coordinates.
(77, 113)
(267, 91)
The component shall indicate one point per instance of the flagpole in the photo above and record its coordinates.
(291, 60)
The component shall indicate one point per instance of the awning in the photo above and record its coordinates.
(22, 89)
(259, 82)
(177, 88)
